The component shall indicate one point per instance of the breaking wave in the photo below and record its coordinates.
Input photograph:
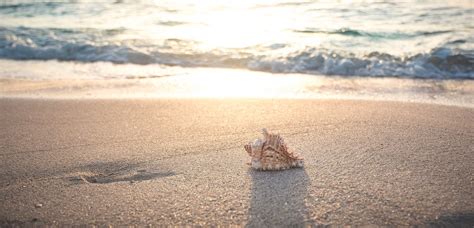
(438, 63)
(91, 45)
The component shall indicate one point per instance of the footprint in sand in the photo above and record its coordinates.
(108, 176)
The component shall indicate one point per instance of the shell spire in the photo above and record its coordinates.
(272, 153)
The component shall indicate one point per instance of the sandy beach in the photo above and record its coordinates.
(182, 162)
(115, 114)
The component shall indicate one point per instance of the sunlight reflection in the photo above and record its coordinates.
(220, 83)
(234, 25)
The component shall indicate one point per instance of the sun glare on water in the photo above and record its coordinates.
(222, 83)
(217, 24)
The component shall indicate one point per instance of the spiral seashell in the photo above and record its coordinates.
(272, 153)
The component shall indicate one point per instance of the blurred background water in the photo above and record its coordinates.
(375, 38)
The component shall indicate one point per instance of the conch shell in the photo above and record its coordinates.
(272, 153)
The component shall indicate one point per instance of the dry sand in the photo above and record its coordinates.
(140, 162)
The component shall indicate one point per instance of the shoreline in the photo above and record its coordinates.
(308, 89)
(66, 81)
(303, 99)
(182, 162)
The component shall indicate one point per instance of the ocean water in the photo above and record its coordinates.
(411, 50)
(412, 38)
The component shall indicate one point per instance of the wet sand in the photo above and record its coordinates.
(181, 162)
